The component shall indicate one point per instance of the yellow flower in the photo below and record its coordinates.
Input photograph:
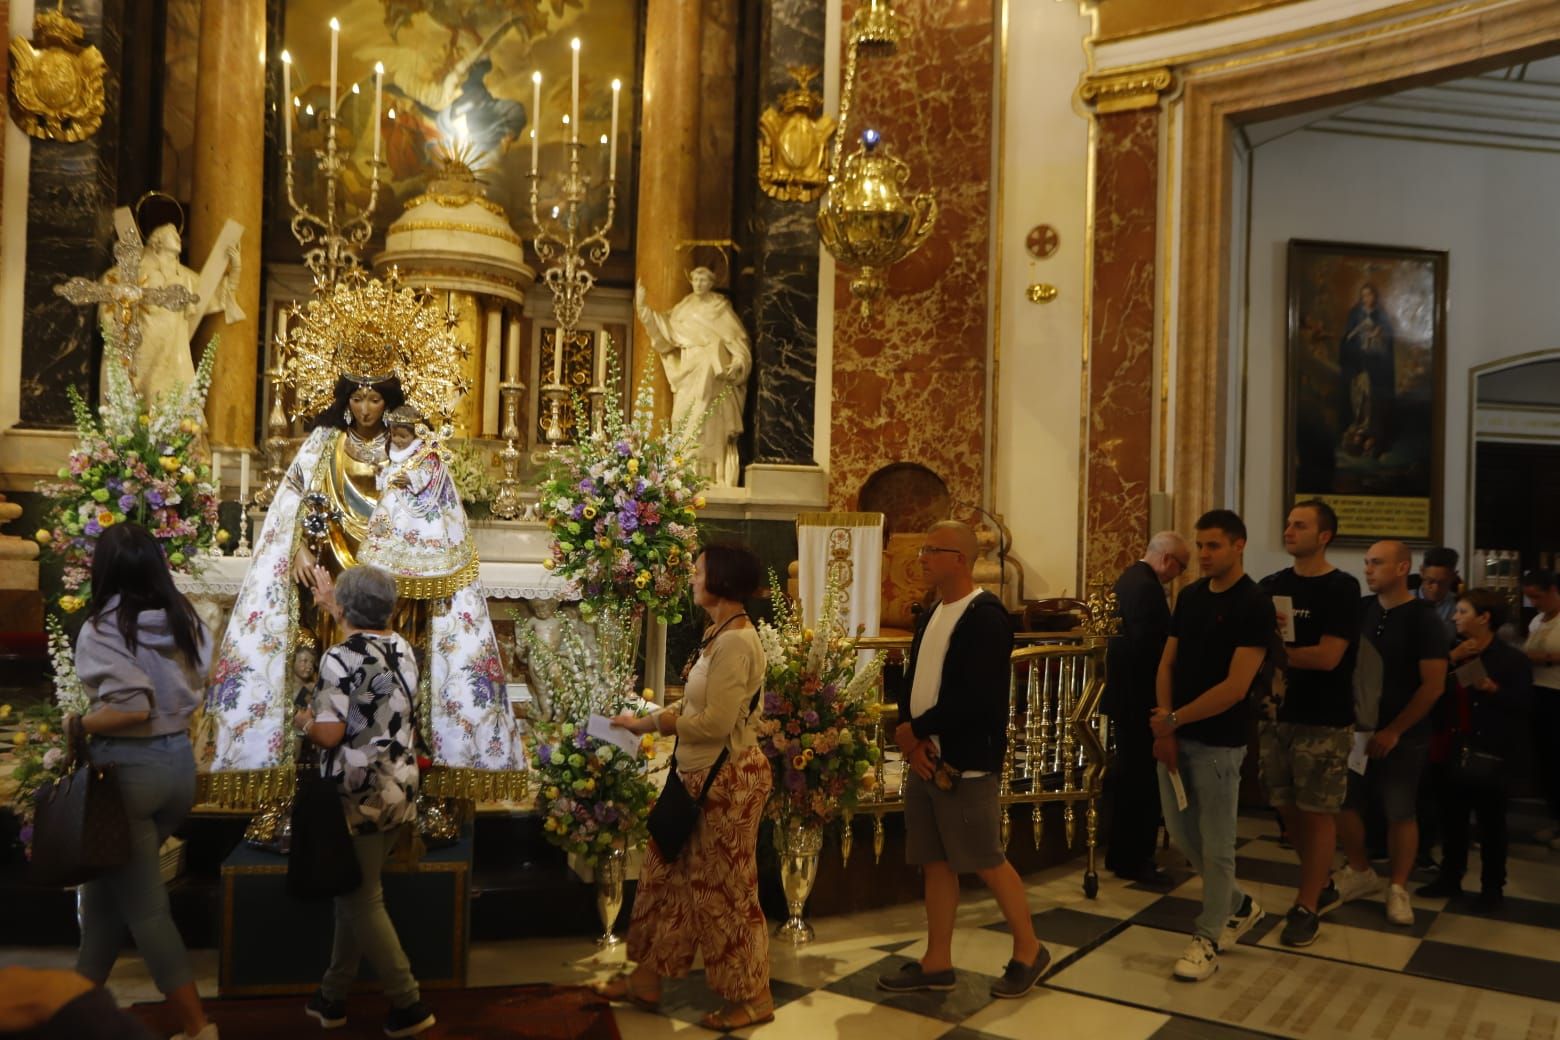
(169, 463)
(641, 579)
(677, 460)
(868, 781)
(71, 604)
(188, 426)
(552, 792)
(589, 513)
(698, 502)
(5, 711)
(647, 693)
(603, 543)
(223, 537)
(43, 730)
(807, 753)
(633, 466)
(19, 738)
(798, 762)
(105, 519)
(145, 420)
(807, 634)
(646, 742)
(44, 536)
(548, 564)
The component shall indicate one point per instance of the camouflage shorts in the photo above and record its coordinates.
(1302, 765)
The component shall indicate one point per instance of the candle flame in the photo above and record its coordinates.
(335, 26)
(603, 138)
(379, 68)
(286, 58)
(355, 89)
(536, 77)
(617, 84)
(575, 43)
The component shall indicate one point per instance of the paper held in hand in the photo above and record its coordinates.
(1180, 790)
(1284, 606)
(600, 727)
(1471, 673)
(1359, 759)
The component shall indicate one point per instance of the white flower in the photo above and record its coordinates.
(52, 758)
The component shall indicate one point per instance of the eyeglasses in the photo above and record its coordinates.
(927, 550)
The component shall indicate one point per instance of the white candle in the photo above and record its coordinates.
(287, 107)
(243, 476)
(617, 89)
(379, 86)
(574, 92)
(216, 472)
(601, 342)
(335, 40)
(512, 351)
(536, 115)
(557, 379)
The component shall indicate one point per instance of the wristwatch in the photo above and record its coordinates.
(1174, 722)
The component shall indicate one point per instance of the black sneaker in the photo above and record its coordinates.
(331, 1014)
(1443, 887)
(1300, 927)
(409, 1021)
(1019, 978)
(1488, 901)
(1327, 900)
(911, 979)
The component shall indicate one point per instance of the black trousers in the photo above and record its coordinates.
(1546, 746)
(1458, 800)
(1133, 788)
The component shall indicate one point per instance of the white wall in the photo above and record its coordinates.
(1044, 153)
(1496, 212)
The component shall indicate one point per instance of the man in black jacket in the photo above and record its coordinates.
(1131, 663)
(953, 732)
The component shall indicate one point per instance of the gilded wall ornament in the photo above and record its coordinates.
(793, 140)
(56, 83)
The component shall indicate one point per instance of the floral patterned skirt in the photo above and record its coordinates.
(707, 901)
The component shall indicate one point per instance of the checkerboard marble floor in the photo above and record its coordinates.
(1451, 975)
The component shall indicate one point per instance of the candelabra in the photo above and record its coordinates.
(243, 549)
(506, 503)
(566, 246)
(331, 241)
(276, 439)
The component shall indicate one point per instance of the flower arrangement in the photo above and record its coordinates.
(471, 468)
(132, 465)
(36, 746)
(593, 796)
(819, 711)
(621, 504)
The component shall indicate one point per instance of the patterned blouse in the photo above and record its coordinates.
(368, 681)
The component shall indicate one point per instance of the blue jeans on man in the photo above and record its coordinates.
(1205, 830)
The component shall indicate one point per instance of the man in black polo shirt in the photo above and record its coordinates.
(1218, 639)
(1403, 636)
(1305, 747)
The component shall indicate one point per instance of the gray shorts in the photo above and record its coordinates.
(1391, 782)
(961, 827)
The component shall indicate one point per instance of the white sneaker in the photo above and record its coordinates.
(1239, 924)
(1399, 909)
(1198, 961)
(1356, 884)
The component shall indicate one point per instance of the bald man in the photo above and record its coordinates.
(1403, 643)
(953, 733)
(1131, 663)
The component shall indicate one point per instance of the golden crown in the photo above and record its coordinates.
(369, 330)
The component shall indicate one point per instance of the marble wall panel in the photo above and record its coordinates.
(785, 260)
(910, 381)
(1121, 342)
(71, 192)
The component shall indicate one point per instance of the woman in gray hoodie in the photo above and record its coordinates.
(142, 655)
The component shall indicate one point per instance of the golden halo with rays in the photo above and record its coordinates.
(370, 329)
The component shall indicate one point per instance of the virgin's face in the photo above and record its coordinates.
(1368, 297)
(368, 406)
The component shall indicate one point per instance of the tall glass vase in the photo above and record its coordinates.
(609, 895)
(798, 846)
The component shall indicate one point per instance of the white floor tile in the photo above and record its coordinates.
(818, 965)
(1500, 936)
(1048, 1012)
(825, 1014)
(634, 1024)
(1387, 950)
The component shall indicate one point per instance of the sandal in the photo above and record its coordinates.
(738, 1014)
(620, 990)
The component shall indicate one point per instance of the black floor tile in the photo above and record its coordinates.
(1182, 1028)
(1485, 969)
(1067, 927)
(895, 947)
(1172, 913)
(1515, 911)
(1371, 914)
(971, 993)
(1267, 871)
(690, 998)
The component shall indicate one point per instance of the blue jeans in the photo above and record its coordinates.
(157, 782)
(363, 929)
(1205, 830)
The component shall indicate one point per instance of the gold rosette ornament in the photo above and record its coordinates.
(368, 330)
(57, 84)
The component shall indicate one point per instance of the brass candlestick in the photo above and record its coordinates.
(506, 503)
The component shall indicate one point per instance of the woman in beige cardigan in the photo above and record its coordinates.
(706, 900)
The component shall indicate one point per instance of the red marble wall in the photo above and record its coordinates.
(910, 382)
(1121, 341)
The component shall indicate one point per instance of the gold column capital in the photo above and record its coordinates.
(1126, 91)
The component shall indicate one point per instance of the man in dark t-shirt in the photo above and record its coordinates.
(1218, 638)
(1304, 744)
(1402, 642)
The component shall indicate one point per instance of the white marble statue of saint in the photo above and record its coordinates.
(163, 365)
(707, 358)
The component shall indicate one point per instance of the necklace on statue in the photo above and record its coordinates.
(371, 449)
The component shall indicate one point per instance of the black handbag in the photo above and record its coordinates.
(322, 863)
(676, 812)
(80, 830)
(1475, 768)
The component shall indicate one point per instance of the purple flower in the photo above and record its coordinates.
(127, 502)
(578, 511)
(628, 521)
(581, 741)
(587, 486)
(92, 528)
(772, 704)
(154, 498)
(623, 449)
(810, 717)
(114, 484)
(544, 753)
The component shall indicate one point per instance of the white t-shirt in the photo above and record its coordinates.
(1544, 638)
(929, 661)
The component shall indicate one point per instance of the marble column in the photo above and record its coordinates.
(910, 381)
(72, 187)
(1120, 367)
(668, 168)
(785, 260)
(229, 178)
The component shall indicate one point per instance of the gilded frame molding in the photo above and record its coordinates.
(1215, 103)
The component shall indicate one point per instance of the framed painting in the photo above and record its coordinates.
(1365, 387)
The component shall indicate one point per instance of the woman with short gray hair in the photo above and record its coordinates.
(362, 716)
